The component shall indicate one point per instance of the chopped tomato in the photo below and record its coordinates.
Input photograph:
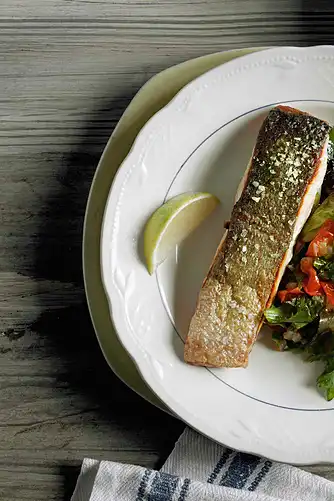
(288, 294)
(323, 242)
(311, 283)
(328, 287)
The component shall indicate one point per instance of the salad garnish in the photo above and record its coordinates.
(302, 315)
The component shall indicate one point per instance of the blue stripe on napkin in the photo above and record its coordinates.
(263, 472)
(163, 487)
(241, 467)
(219, 466)
(143, 485)
(184, 490)
(239, 471)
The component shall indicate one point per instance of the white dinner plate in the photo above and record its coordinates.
(202, 141)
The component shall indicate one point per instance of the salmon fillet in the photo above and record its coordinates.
(286, 171)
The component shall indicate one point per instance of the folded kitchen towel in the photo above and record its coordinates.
(200, 470)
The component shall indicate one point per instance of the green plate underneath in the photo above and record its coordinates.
(153, 96)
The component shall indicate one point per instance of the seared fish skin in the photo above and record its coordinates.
(287, 167)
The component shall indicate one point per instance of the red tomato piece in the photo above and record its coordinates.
(328, 287)
(311, 283)
(322, 244)
(288, 294)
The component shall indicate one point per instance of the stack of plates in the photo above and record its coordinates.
(200, 140)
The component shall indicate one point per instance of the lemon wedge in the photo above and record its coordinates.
(173, 222)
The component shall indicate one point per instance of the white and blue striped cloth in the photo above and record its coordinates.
(200, 470)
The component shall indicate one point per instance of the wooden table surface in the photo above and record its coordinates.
(68, 69)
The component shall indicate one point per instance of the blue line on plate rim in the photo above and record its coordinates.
(165, 199)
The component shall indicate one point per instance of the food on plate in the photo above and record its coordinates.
(275, 198)
(173, 222)
(302, 316)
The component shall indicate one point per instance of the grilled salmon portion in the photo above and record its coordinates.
(286, 171)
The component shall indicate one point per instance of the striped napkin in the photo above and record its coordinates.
(200, 470)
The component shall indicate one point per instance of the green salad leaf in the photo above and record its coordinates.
(299, 312)
(321, 346)
(326, 380)
(325, 268)
(323, 212)
(331, 136)
(277, 315)
(306, 309)
(316, 200)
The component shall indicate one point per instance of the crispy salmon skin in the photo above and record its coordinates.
(287, 169)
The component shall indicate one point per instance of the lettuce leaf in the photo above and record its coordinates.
(323, 212)
(331, 136)
(299, 312)
(326, 380)
(325, 268)
(278, 315)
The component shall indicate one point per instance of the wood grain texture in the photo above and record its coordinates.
(68, 69)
